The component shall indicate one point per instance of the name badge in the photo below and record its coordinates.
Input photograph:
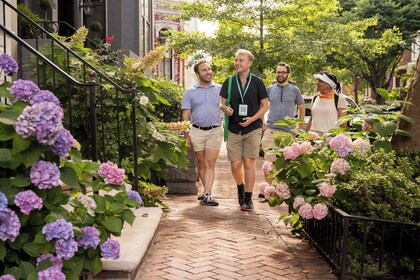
(243, 110)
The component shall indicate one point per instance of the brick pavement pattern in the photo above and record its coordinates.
(206, 242)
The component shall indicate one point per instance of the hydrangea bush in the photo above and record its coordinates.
(310, 173)
(57, 214)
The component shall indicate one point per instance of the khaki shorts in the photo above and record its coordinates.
(240, 146)
(206, 139)
(267, 143)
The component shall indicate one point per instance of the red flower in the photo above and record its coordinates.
(109, 39)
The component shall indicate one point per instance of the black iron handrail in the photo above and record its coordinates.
(332, 237)
(101, 75)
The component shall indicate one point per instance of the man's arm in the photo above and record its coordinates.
(186, 117)
(302, 109)
(259, 115)
(223, 106)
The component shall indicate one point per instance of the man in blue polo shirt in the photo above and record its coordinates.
(200, 105)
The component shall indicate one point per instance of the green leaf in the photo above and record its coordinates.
(6, 132)
(96, 265)
(100, 204)
(128, 216)
(384, 93)
(5, 155)
(31, 155)
(113, 224)
(15, 271)
(402, 132)
(69, 176)
(3, 252)
(40, 238)
(20, 144)
(9, 117)
(31, 250)
(406, 118)
(21, 181)
(383, 144)
(4, 89)
(117, 207)
(386, 128)
(26, 268)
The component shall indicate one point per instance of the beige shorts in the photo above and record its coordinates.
(240, 146)
(206, 139)
(267, 144)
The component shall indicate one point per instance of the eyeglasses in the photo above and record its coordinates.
(282, 73)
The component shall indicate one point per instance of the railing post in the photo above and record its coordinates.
(93, 120)
(135, 182)
(345, 244)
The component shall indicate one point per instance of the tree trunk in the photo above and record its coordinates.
(412, 143)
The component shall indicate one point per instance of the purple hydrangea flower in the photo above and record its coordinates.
(55, 262)
(3, 201)
(63, 143)
(8, 64)
(24, 90)
(7, 277)
(42, 120)
(135, 196)
(112, 174)
(341, 144)
(9, 225)
(44, 96)
(66, 248)
(28, 201)
(44, 174)
(110, 249)
(89, 238)
(88, 202)
(60, 229)
(51, 273)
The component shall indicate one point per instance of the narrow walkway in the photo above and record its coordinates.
(205, 242)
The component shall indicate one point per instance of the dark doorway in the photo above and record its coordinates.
(66, 14)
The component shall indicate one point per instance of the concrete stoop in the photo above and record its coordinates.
(134, 241)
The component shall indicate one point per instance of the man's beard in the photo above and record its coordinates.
(281, 80)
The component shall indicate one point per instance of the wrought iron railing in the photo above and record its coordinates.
(95, 89)
(366, 248)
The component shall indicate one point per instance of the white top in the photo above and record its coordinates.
(325, 115)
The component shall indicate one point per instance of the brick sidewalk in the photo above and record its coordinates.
(205, 242)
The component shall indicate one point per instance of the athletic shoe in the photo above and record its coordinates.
(261, 198)
(201, 197)
(248, 206)
(209, 200)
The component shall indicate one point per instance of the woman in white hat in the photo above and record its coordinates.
(328, 105)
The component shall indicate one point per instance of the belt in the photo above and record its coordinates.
(205, 128)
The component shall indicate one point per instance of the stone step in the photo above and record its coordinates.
(134, 241)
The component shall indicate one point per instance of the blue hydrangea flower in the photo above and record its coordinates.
(9, 225)
(63, 143)
(44, 174)
(66, 248)
(44, 96)
(110, 249)
(60, 229)
(51, 273)
(7, 277)
(24, 90)
(7, 64)
(55, 262)
(3, 201)
(135, 196)
(89, 238)
(88, 202)
(28, 201)
(42, 120)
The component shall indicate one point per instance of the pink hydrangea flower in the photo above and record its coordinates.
(112, 174)
(306, 211)
(306, 148)
(266, 167)
(340, 166)
(299, 201)
(269, 192)
(320, 211)
(104, 168)
(341, 144)
(359, 146)
(326, 189)
(282, 190)
(292, 151)
(262, 186)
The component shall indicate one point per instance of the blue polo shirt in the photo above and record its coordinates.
(204, 104)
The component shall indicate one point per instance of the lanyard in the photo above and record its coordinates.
(246, 87)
